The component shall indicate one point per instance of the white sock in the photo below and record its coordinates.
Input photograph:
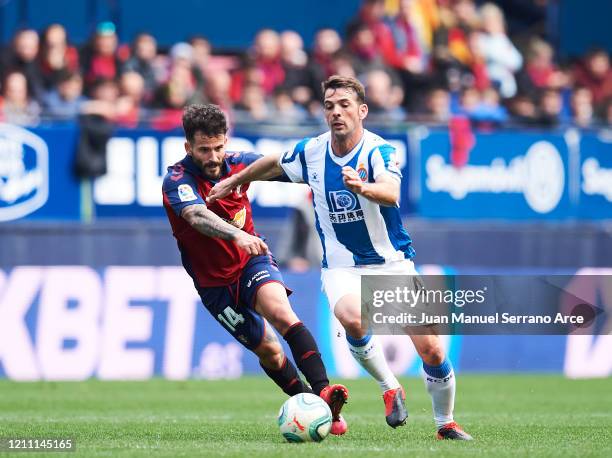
(369, 353)
(440, 382)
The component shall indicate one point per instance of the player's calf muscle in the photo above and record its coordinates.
(270, 352)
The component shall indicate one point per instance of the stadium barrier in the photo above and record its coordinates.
(516, 175)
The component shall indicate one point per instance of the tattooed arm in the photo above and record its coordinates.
(208, 223)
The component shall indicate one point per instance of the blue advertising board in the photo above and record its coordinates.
(507, 175)
(137, 322)
(36, 173)
(595, 175)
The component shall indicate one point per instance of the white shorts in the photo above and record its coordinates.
(340, 281)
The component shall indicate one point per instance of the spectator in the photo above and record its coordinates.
(23, 57)
(130, 102)
(412, 44)
(294, 61)
(64, 101)
(181, 81)
(201, 54)
(581, 103)
(217, 91)
(284, 109)
(16, 105)
(252, 107)
(551, 108)
(143, 61)
(501, 56)
(182, 54)
(384, 99)
(56, 56)
(174, 99)
(327, 43)
(452, 48)
(249, 73)
(411, 52)
(96, 127)
(484, 110)
(99, 58)
(523, 110)
(595, 74)
(342, 64)
(541, 71)
(181, 63)
(103, 100)
(366, 55)
(267, 59)
(379, 40)
(438, 106)
(451, 37)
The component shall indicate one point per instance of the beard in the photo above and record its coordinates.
(211, 170)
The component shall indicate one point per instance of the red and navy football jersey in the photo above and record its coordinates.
(209, 261)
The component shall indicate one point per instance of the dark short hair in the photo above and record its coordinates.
(208, 119)
(338, 82)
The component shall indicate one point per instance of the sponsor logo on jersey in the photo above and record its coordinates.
(344, 207)
(24, 172)
(186, 193)
(239, 219)
(258, 276)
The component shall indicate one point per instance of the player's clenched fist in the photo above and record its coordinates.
(250, 244)
(351, 180)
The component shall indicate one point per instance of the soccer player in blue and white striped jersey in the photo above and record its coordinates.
(355, 184)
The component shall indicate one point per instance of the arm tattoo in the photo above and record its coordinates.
(206, 222)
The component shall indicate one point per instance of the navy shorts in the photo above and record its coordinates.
(234, 305)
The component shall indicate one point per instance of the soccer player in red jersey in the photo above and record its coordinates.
(231, 266)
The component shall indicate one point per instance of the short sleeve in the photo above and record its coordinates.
(293, 162)
(247, 158)
(181, 190)
(383, 160)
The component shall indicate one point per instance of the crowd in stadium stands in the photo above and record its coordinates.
(431, 61)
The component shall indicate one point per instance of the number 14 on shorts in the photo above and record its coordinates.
(230, 318)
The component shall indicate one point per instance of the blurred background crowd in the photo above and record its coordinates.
(427, 61)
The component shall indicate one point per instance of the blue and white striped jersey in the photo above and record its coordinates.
(353, 230)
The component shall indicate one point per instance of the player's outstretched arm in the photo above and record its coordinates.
(385, 191)
(208, 223)
(262, 169)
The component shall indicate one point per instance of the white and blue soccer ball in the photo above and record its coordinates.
(305, 417)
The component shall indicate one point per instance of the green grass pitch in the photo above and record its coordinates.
(509, 415)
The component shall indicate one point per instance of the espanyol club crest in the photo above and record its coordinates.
(362, 172)
(24, 172)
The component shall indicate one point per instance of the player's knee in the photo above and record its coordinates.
(281, 317)
(351, 323)
(432, 355)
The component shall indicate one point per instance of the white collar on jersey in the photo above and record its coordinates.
(345, 159)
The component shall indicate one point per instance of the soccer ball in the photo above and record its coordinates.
(304, 417)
